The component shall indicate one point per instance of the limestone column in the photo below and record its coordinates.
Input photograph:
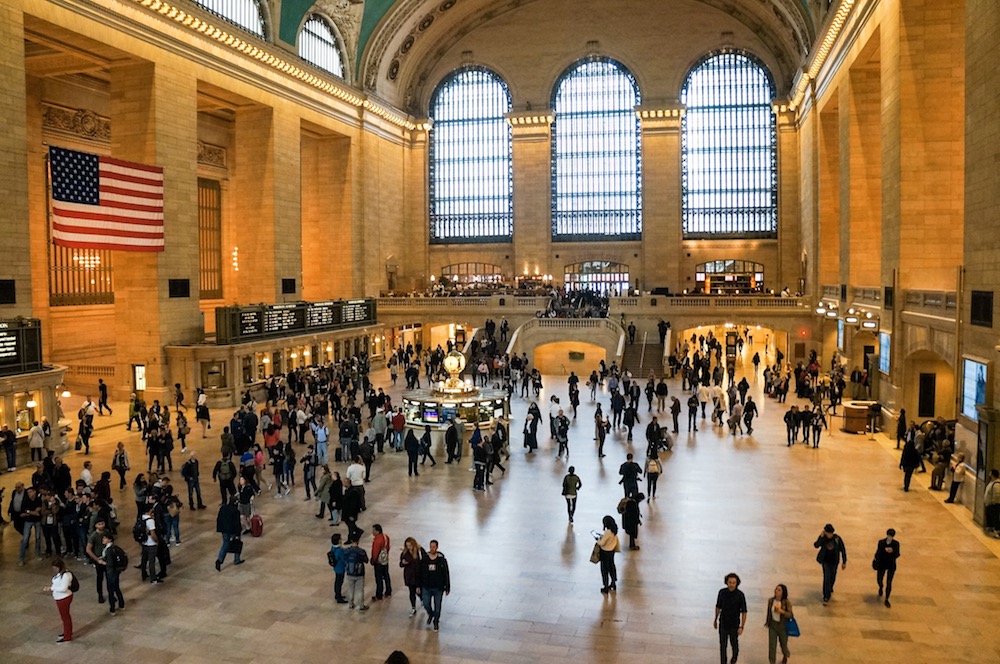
(860, 177)
(154, 121)
(14, 218)
(532, 140)
(661, 197)
(326, 213)
(791, 259)
(412, 259)
(267, 189)
(923, 142)
(829, 196)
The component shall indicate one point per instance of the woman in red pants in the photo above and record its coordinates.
(61, 593)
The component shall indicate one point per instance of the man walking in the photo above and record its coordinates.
(730, 617)
(884, 562)
(630, 472)
(831, 551)
(562, 434)
(436, 582)
(190, 471)
(102, 401)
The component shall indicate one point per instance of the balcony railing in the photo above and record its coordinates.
(867, 295)
(681, 303)
(831, 291)
(935, 303)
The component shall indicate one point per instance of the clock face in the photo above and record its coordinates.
(454, 362)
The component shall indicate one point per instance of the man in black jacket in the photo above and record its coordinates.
(831, 551)
(451, 442)
(435, 581)
(884, 562)
(228, 525)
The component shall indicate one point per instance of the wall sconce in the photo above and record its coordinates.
(329, 349)
(31, 403)
(294, 355)
(869, 324)
(821, 310)
(305, 353)
(266, 360)
(852, 320)
(831, 314)
(236, 259)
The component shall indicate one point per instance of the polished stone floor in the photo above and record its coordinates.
(523, 587)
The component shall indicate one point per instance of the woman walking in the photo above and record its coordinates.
(119, 463)
(323, 489)
(632, 519)
(410, 559)
(140, 488)
(63, 595)
(245, 493)
(571, 484)
(653, 470)
(779, 610)
(608, 544)
(183, 429)
(884, 563)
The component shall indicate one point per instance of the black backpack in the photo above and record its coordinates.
(74, 583)
(139, 533)
(119, 559)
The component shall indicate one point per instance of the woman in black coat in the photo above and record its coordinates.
(909, 461)
(632, 518)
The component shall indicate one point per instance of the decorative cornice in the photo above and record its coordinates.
(820, 54)
(211, 155)
(78, 123)
(530, 119)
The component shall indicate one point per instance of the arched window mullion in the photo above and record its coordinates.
(729, 149)
(318, 45)
(246, 14)
(470, 170)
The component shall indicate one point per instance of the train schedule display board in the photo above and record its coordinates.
(20, 346)
(268, 321)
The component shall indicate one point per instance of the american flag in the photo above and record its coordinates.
(104, 203)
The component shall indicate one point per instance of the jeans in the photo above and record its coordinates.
(322, 453)
(114, 587)
(101, 583)
(356, 591)
(383, 584)
(29, 527)
(651, 479)
(431, 598)
(731, 635)
(11, 452)
(148, 562)
(194, 487)
(829, 578)
(174, 526)
(571, 505)
(338, 587)
(609, 573)
(226, 539)
(309, 480)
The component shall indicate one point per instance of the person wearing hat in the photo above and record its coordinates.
(831, 551)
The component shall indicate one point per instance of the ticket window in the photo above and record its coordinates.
(247, 369)
(213, 374)
(26, 410)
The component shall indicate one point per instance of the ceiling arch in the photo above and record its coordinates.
(401, 41)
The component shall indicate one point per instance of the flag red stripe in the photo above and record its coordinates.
(84, 230)
(131, 164)
(106, 216)
(157, 205)
(72, 244)
(127, 177)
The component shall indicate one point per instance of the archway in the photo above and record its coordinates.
(561, 357)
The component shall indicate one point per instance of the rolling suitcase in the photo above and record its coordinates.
(256, 525)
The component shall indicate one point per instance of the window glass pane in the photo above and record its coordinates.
(471, 182)
(318, 45)
(243, 13)
(729, 150)
(596, 160)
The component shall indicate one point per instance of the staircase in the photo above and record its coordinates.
(640, 357)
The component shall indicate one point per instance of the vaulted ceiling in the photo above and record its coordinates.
(401, 42)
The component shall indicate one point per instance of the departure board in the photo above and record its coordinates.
(265, 321)
(20, 346)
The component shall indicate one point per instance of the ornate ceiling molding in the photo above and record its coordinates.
(783, 26)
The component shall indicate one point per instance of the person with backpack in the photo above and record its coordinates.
(228, 525)
(63, 585)
(114, 561)
(354, 570)
(335, 558)
(380, 563)
(225, 473)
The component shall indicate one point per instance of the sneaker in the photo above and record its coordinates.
(363, 608)
(63, 640)
(287, 491)
(278, 495)
(413, 612)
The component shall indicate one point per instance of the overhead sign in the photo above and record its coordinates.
(267, 321)
(20, 346)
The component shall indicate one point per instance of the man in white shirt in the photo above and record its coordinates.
(149, 546)
(356, 473)
(87, 474)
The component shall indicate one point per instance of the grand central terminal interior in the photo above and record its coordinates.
(209, 195)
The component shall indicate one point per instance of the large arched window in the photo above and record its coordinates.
(729, 186)
(318, 45)
(605, 277)
(247, 14)
(596, 160)
(471, 182)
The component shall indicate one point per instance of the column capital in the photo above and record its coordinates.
(664, 118)
(530, 124)
(785, 114)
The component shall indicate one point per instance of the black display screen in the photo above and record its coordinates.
(20, 346)
(251, 323)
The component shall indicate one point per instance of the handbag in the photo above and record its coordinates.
(235, 546)
(792, 627)
(595, 556)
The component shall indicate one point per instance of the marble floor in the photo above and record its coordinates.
(523, 587)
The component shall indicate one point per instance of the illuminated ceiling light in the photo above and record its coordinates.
(821, 310)
(853, 320)
(831, 314)
(869, 324)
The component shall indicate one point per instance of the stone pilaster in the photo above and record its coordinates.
(661, 202)
(532, 140)
(154, 121)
